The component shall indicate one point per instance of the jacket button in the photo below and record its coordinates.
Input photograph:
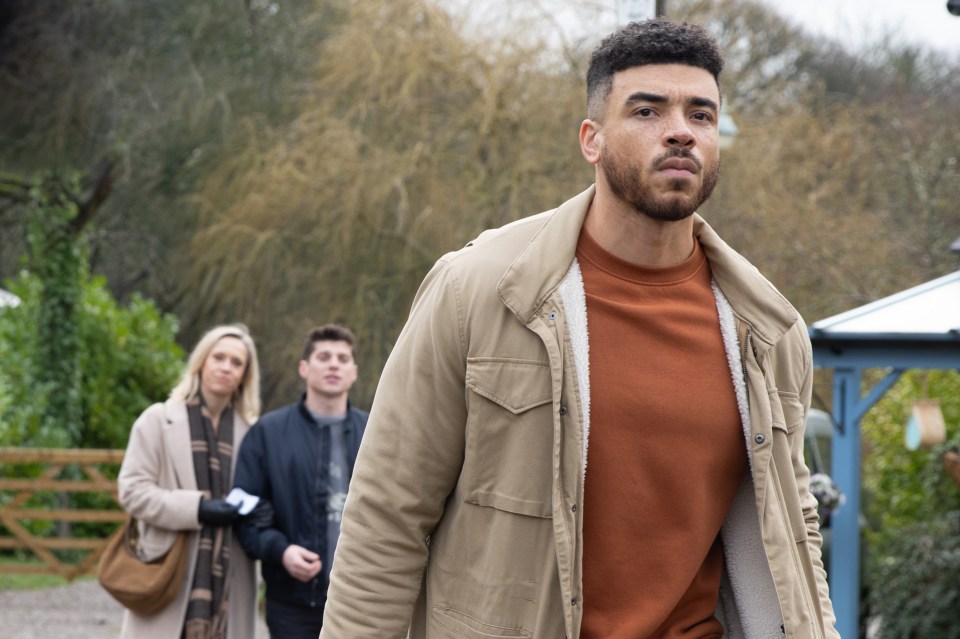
(759, 439)
(573, 507)
(573, 602)
(563, 410)
(552, 315)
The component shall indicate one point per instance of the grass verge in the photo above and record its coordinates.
(17, 581)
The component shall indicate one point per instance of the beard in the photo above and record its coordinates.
(670, 206)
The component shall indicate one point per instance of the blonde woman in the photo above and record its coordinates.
(175, 475)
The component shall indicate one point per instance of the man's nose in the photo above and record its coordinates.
(677, 132)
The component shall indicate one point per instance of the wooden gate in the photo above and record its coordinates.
(17, 506)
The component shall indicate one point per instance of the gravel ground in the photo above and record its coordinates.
(81, 610)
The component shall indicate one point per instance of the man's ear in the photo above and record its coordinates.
(302, 368)
(591, 139)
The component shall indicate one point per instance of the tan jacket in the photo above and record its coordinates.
(464, 515)
(158, 486)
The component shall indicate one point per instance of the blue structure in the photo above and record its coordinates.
(916, 328)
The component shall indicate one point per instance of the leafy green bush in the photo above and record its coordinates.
(128, 359)
(912, 505)
(22, 406)
(907, 486)
(915, 591)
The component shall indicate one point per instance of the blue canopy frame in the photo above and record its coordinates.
(849, 353)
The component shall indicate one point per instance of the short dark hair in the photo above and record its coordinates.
(328, 333)
(655, 41)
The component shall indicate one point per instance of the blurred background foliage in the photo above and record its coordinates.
(287, 163)
(294, 162)
(912, 507)
(128, 357)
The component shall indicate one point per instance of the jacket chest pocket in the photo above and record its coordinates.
(787, 427)
(508, 463)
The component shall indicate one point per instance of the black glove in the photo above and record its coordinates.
(261, 516)
(217, 512)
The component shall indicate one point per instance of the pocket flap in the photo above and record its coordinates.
(516, 385)
(792, 411)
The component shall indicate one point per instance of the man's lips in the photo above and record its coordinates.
(678, 166)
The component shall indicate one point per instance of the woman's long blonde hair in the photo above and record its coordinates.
(246, 399)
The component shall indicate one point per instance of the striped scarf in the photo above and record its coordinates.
(212, 463)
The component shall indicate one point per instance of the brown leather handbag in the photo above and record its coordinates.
(143, 587)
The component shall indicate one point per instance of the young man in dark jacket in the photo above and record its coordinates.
(298, 460)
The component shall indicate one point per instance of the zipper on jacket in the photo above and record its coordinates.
(743, 363)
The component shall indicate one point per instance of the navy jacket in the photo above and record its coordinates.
(284, 459)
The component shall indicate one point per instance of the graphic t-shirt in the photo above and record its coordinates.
(338, 479)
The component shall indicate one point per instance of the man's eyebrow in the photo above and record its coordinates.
(656, 98)
(643, 96)
(703, 102)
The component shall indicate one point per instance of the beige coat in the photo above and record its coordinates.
(158, 486)
(464, 516)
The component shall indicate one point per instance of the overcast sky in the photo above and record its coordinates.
(865, 21)
(857, 22)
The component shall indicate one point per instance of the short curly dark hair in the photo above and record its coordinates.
(328, 333)
(655, 41)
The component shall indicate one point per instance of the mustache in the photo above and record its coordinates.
(677, 153)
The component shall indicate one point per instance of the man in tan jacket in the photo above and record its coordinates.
(592, 423)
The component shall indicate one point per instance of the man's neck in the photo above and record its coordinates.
(636, 238)
(323, 405)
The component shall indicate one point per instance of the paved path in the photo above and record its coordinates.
(81, 610)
